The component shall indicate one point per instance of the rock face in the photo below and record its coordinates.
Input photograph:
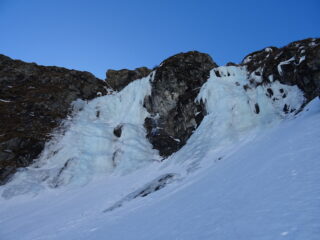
(118, 79)
(174, 113)
(295, 64)
(33, 101)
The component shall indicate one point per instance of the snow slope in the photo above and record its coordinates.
(244, 174)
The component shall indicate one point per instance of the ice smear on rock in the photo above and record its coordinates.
(235, 107)
(106, 136)
(90, 147)
(266, 189)
(231, 96)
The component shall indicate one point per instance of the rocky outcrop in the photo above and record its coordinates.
(175, 115)
(174, 112)
(33, 101)
(118, 79)
(295, 64)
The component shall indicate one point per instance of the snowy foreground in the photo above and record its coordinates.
(247, 172)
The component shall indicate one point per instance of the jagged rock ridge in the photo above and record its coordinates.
(118, 79)
(298, 63)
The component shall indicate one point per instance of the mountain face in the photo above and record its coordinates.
(36, 100)
(189, 150)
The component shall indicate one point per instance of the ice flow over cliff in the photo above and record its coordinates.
(249, 171)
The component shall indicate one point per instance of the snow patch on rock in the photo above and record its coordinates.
(89, 147)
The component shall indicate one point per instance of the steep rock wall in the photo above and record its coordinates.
(174, 112)
(33, 101)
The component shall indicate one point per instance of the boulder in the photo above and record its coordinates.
(174, 114)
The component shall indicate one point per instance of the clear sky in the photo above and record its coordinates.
(96, 35)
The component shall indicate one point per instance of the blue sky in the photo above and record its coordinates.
(96, 35)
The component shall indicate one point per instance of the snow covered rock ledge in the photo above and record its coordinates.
(298, 63)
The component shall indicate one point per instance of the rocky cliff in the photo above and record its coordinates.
(298, 63)
(118, 79)
(35, 99)
(174, 112)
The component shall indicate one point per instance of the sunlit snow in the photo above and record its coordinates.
(249, 171)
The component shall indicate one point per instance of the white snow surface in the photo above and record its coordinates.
(245, 173)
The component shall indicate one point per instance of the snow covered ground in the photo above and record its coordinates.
(245, 173)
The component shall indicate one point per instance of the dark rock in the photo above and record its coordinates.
(155, 185)
(174, 113)
(34, 100)
(295, 64)
(257, 108)
(270, 92)
(118, 79)
(231, 64)
(286, 108)
(217, 73)
(117, 131)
